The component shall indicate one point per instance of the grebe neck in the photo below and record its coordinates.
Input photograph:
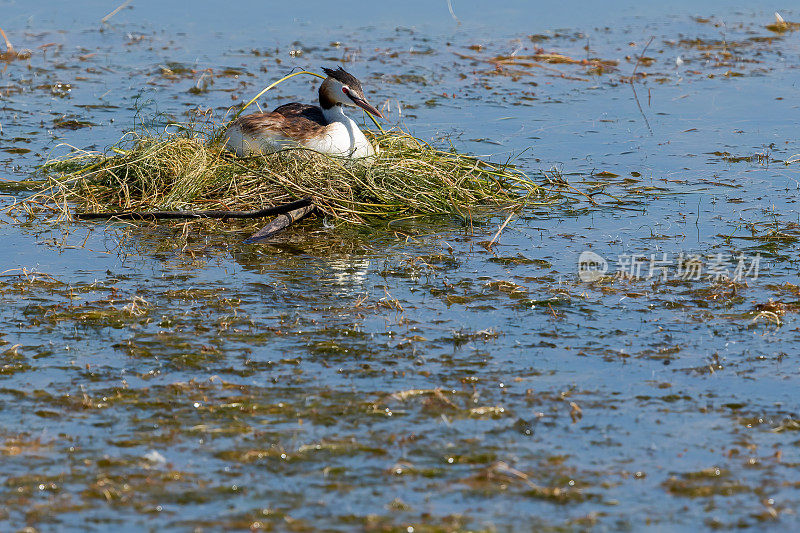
(336, 114)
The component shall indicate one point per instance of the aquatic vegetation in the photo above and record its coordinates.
(782, 26)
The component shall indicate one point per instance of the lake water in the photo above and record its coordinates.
(401, 376)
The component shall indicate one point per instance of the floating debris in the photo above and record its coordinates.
(11, 54)
(782, 26)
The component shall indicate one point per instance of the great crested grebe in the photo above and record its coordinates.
(324, 129)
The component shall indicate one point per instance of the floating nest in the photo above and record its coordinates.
(183, 170)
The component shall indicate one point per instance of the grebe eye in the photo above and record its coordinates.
(344, 90)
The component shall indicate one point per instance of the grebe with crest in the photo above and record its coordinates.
(324, 128)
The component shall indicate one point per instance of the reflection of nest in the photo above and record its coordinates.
(348, 271)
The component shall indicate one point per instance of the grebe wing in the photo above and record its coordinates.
(306, 111)
(285, 124)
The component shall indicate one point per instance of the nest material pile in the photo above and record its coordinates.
(183, 171)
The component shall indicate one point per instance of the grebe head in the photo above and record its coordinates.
(342, 88)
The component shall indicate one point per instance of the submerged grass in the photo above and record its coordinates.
(186, 170)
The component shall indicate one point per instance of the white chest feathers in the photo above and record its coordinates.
(341, 137)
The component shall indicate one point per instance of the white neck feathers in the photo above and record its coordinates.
(336, 114)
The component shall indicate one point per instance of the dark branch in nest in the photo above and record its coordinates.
(149, 215)
(280, 223)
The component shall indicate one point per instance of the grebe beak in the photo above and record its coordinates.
(363, 104)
